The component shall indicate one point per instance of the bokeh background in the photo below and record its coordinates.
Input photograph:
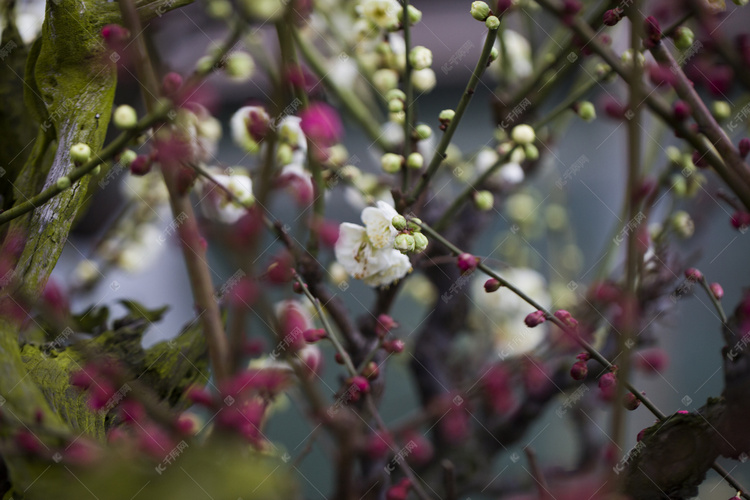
(594, 197)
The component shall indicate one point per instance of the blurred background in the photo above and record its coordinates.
(689, 333)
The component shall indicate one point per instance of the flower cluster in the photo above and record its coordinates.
(368, 253)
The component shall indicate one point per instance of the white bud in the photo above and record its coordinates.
(523, 134)
(125, 117)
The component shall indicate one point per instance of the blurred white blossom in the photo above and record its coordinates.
(502, 312)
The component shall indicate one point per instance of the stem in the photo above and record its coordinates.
(102, 156)
(702, 115)
(193, 250)
(463, 103)
(632, 257)
(351, 102)
(714, 301)
(409, 91)
(536, 474)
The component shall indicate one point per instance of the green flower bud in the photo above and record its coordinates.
(399, 222)
(721, 110)
(423, 131)
(586, 111)
(398, 117)
(679, 185)
(741, 3)
(385, 80)
(412, 225)
(603, 70)
(420, 242)
(492, 23)
(404, 243)
(480, 10)
(127, 157)
(415, 160)
(484, 200)
(446, 115)
(683, 38)
(80, 153)
(219, 9)
(523, 134)
(395, 106)
(63, 183)
(97, 170)
(420, 57)
(682, 224)
(125, 117)
(239, 66)
(204, 64)
(494, 54)
(284, 154)
(395, 94)
(531, 152)
(414, 15)
(391, 162)
(518, 155)
(674, 155)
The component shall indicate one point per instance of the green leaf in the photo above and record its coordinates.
(139, 311)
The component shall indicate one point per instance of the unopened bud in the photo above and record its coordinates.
(391, 162)
(415, 160)
(479, 10)
(399, 222)
(492, 23)
(523, 134)
(484, 200)
(125, 117)
(63, 183)
(404, 243)
(420, 242)
(80, 153)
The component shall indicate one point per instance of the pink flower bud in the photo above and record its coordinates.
(54, 297)
(717, 291)
(698, 160)
(693, 274)
(651, 360)
(360, 383)
(607, 386)
(535, 377)
(467, 262)
(384, 325)
(498, 389)
(171, 83)
(280, 270)
(378, 445)
(200, 396)
(27, 442)
(534, 319)
(321, 124)
(579, 370)
(681, 110)
(566, 318)
(613, 16)
(399, 491)
(314, 335)
(653, 32)
(744, 146)
(141, 165)
(641, 435)
(114, 34)
(394, 346)
(630, 401)
(491, 285)
(740, 220)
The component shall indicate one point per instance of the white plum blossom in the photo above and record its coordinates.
(367, 253)
(216, 203)
(519, 55)
(380, 231)
(381, 13)
(502, 312)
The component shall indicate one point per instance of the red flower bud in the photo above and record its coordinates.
(717, 291)
(534, 319)
(314, 335)
(566, 318)
(740, 220)
(744, 146)
(693, 274)
(651, 360)
(681, 110)
(467, 262)
(613, 16)
(360, 383)
(630, 401)
(141, 165)
(491, 285)
(394, 346)
(171, 83)
(579, 370)
(384, 325)
(653, 32)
